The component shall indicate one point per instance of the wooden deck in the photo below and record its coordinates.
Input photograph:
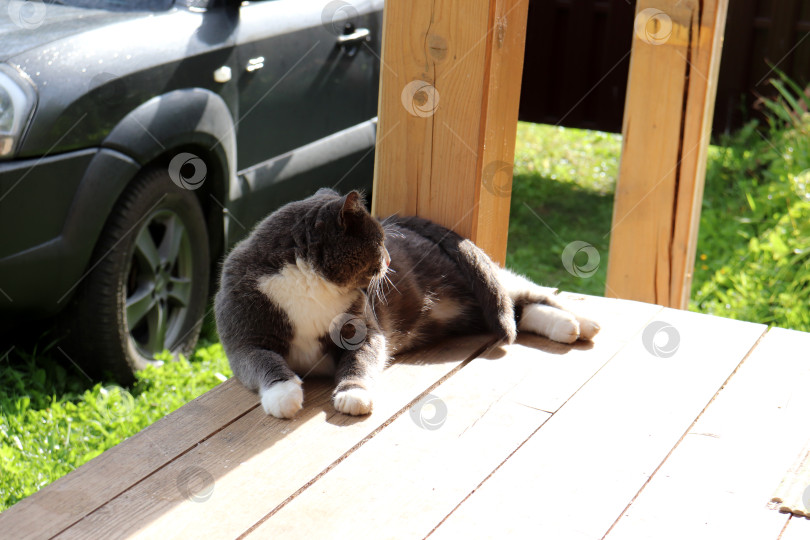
(534, 440)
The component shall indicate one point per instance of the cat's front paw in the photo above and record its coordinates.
(284, 398)
(587, 328)
(354, 401)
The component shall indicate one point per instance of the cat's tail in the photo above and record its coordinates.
(478, 270)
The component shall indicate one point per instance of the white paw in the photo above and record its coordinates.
(283, 399)
(564, 330)
(354, 401)
(554, 323)
(587, 328)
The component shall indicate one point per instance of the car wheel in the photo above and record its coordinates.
(147, 287)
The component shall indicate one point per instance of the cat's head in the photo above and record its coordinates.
(346, 245)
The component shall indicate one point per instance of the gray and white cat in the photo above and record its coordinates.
(321, 287)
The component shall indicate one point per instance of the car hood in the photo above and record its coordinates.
(21, 32)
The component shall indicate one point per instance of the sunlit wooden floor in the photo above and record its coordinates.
(682, 435)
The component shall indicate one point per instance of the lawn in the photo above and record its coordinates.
(753, 264)
(562, 192)
(53, 419)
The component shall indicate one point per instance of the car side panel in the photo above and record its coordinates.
(296, 85)
(38, 281)
(35, 197)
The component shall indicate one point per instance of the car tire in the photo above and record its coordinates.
(146, 289)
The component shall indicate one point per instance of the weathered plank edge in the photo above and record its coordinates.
(35, 512)
(686, 432)
(491, 344)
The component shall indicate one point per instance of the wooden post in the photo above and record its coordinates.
(449, 92)
(667, 121)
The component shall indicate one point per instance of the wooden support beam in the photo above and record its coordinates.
(667, 121)
(449, 93)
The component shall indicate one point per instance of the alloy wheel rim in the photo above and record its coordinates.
(159, 283)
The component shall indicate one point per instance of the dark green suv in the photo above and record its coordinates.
(140, 139)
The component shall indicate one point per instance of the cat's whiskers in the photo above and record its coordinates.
(390, 283)
(378, 290)
(389, 229)
(374, 293)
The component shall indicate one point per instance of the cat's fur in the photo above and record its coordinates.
(311, 291)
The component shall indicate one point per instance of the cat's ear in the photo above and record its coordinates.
(352, 210)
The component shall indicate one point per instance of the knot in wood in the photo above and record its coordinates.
(437, 47)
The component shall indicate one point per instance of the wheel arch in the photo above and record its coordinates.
(192, 120)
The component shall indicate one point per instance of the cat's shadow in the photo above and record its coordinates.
(533, 341)
(495, 351)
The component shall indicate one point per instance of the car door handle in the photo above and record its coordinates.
(361, 34)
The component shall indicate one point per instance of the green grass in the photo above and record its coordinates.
(754, 242)
(53, 419)
(562, 192)
(753, 254)
(753, 264)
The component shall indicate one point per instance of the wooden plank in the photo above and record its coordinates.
(449, 94)
(554, 379)
(74, 496)
(797, 529)
(245, 471)
(405, 479)
(719, 479)
(498, 130)
(667, 122)
(488, 412)
(580, 470)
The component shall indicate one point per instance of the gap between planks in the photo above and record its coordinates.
(602, 444)
(551, 413)
(73, 497)
(160, 508)
(165, 464)
(720, 478)
(480, 351)
(796, 528)
(685, 433)
(488, 388)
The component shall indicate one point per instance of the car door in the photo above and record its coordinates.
(308, 86)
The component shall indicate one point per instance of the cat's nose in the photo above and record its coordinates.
(386, 257)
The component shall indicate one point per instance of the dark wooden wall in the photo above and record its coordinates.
(578, 55)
